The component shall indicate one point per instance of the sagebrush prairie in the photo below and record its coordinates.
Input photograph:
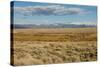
(59, 45)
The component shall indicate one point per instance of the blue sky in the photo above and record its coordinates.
(50, 13)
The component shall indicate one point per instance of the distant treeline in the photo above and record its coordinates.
(20, 26)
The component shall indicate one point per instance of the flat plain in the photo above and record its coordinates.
(49, 46)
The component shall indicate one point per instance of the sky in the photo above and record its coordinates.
(51, 13)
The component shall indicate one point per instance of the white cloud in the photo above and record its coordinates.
(48, 10)
(84, 23)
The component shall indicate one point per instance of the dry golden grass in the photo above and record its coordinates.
(47, 46)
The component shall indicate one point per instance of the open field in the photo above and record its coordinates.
(47, 46)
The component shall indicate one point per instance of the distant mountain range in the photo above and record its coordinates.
(57, 25)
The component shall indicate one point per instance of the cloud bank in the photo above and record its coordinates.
(48, 10)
